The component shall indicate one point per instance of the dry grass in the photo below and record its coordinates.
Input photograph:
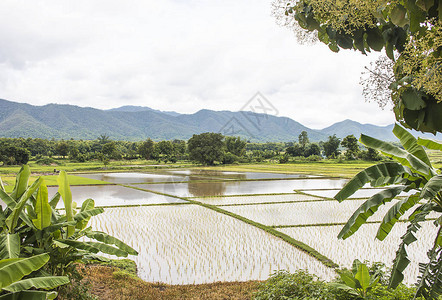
(111, 283)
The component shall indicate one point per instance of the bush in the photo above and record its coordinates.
(299, 285)
(314, 158)
(46, 161)
(230, 158)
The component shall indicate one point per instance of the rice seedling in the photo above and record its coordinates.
(191, 244)
(301, 213)
(257, 199)
(364, 246)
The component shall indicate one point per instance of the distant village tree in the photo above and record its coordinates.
(206, 148)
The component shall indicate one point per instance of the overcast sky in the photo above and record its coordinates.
(181, 55)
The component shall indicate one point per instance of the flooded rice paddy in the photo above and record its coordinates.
(181, 244)
(192, 244)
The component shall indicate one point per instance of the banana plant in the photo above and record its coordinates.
(31, 224)
(358, 282)
(410, 172)
(13, 286)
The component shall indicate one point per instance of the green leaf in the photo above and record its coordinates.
(107, 239)
(412, 100)
(29, 295)
(42, 208)
(367, 209)
(398, 154)
(9, 245)
(12, 270)
(432, 188)
(86, 212)
(65, 192)
(348, 279)
(94, 247)
(401, 260)
(10, 203)
(425, 5)
(2, 187)
(430, 144)
(343, 287)
(54, 201)
(410, 144)
(363, 276)
(397, 16)
(46, 283)
(21, 182)
(377, 175)
(12, 220)
(374, 39)
(394, 213)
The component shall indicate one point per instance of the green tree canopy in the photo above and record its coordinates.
(146, 149)
(350, 142)
(235, 145)
(410, 31)
(303, 139)
(206, 148)
(331, 146)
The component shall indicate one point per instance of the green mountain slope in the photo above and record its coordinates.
(138, 123)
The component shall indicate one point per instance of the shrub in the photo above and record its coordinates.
(299, 285)
(46, 161)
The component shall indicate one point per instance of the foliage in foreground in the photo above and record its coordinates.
(302, 285)
(410, 31)
(31, 227)
(412, 173)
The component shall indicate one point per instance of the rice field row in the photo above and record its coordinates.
(302, 213)
(364, 246)
(191, 244)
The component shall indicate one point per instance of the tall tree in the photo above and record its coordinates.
(206, 148)
(350, 142)
(235, 145)
(303, 139)
(146, 149)
(331, 146)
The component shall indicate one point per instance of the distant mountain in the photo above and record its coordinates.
(132, 108)
(139, 123)
(348, 127)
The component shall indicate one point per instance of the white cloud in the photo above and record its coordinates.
(174, 55)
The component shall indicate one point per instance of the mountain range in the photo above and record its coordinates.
(138, 123)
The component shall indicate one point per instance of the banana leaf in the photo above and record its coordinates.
(46, 283)
(14, 269)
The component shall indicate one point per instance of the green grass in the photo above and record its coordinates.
(97, 166)
(51, 180)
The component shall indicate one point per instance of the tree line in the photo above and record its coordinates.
(206, 148)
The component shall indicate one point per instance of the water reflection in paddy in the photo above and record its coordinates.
(109, 195)
(238, 175)
(133, 177)
(202, 189)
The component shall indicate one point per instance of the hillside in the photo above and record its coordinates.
(138, 123)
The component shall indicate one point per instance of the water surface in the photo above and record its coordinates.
(109, 195)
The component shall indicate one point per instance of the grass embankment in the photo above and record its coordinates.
(117, 279)
(51, 180)
(111, 283)
(95, 166)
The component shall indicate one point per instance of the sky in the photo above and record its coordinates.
(175, 55)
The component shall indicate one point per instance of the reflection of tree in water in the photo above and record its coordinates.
(201, 189)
